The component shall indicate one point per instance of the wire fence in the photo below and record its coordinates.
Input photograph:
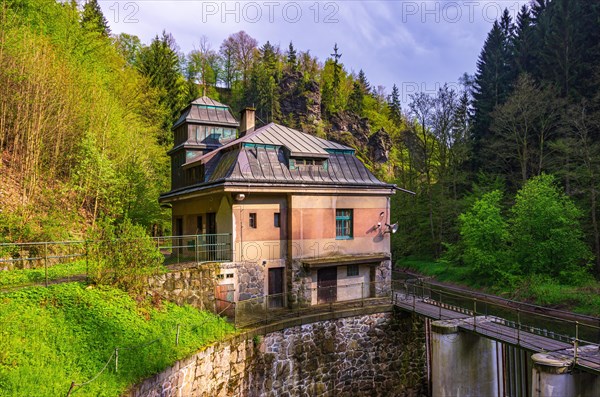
(45, 263)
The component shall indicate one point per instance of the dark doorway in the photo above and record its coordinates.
(211, 238)
(276, 287)
(327, 285)
(199, 225)
(211, 223)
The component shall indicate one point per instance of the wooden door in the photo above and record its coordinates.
(276, 287)
(327, 285)
(224, 298)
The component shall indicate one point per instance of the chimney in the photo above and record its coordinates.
(247, 122)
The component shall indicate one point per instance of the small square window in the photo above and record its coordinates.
(277, 219)
(252, 220)
(352, 270)
(229, 275)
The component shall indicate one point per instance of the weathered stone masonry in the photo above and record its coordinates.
(379, 354)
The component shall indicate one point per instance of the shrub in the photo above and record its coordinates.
(546, 235)
(484, 237)
(124, 256)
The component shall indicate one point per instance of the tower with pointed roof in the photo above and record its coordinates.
(204, 125)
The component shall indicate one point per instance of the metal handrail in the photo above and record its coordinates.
(416, 288)
(260, 309)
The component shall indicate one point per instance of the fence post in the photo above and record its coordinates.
(87, 261)
(440, 304)
(71, 388)
(46, 263)
(518, 327)
(576, 342)
(474, 314)
(177, 336)
(362, 294)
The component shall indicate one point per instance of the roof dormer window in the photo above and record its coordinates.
(299, 163)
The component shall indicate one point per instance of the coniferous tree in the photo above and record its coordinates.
(159, 62)
(492, 85)
(364, 83)
(523, 43)
(292, 60)
(336, 70)
(93, 19)
(394, 105)
(355, 101)
(563, 34)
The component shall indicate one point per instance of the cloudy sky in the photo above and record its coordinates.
(417, 45)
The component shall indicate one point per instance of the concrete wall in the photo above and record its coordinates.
(366, 355)
(464, 364)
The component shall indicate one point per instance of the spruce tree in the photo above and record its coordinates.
(355, 101)
(336, 70)
(523, 43)
(159, 62)
(292, 60)
(492, 85)
(364, 83)
(394, 105)
(93, 20)
(563, 34)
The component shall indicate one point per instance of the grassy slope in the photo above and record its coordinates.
(52, 336)
(583, 298)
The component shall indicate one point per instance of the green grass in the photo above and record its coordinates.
(23, 277)
(67, 332)
(583, 297)
(441, 271)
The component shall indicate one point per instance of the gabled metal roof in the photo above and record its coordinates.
(299, 144)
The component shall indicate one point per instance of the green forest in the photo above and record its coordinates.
(506, 169)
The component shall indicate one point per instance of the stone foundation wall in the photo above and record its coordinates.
(251, 280)
(368, 355)
(194, 286)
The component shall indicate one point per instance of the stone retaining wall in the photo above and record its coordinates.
(379, 354)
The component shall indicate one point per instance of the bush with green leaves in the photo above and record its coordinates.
(546, 235)
(484, 238)
(542, 236)
(124, 256)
